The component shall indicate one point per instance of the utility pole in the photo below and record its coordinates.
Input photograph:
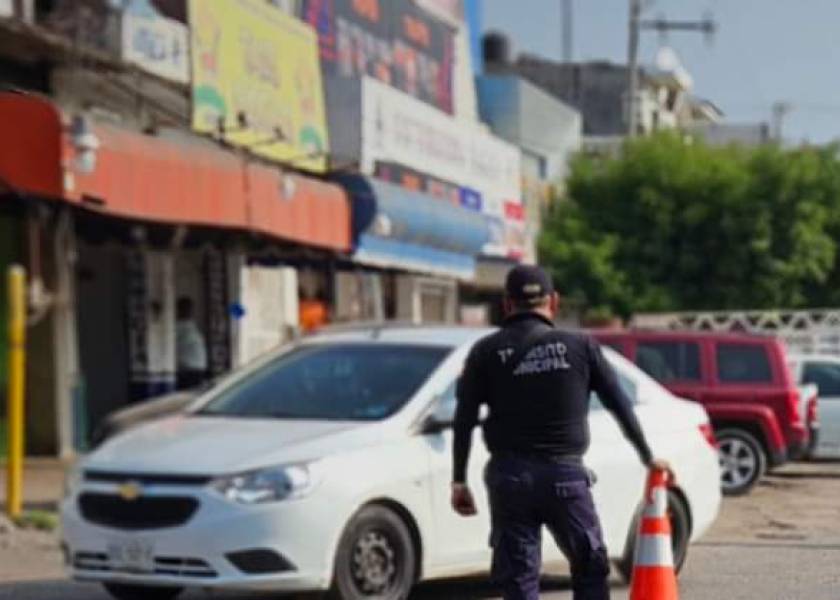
(780, 111)
(633, 67)
(707, 26)
(567, 11)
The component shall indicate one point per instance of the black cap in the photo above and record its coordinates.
(528, 283)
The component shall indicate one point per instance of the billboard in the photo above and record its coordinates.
(400, 130)
(155, 43)
(256, 68)
(397, 128)
(396, 42)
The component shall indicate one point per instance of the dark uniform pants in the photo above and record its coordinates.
(527, 493)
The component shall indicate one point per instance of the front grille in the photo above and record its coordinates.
(96, 476)
(145, 512)
(97, 562)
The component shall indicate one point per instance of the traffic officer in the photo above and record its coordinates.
(536, 382)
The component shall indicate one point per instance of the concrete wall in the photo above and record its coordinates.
(270, 302)
(531, 118)
(343, 97)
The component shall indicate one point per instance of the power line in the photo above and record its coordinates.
(707, 26)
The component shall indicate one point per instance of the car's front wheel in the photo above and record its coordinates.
(140, 592)
(742, 461)
(375, 558)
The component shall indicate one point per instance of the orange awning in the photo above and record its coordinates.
(174, 179)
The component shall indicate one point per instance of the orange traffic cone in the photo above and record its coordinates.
(653, 569)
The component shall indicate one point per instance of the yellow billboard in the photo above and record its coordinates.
(256, 74)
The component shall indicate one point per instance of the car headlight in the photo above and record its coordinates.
(73, 478)
(268, 485)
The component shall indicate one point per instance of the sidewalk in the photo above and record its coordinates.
(43, 483)
(27, 554)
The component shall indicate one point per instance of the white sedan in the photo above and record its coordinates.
(328, 465)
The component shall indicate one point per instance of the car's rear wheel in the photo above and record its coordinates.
(140, 592)
(680, 537)
(742, 461)
(376, 557)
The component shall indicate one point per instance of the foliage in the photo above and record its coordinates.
(37, 519)
(678, 225)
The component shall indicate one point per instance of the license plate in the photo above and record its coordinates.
(132, 556)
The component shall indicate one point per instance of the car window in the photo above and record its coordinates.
(743, 363)
(615, 345)
(825, 375)
(669, 361)
(359, 382)
(626, 384)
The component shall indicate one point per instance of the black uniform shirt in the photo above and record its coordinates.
(540, 405)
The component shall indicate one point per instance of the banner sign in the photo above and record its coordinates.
(156, 44)
(257, 69)
(419, 182)
(395, 42)
(403, 130)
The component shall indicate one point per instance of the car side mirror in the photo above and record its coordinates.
(441, 418)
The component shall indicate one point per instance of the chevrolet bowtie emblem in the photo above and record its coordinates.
(130, 491)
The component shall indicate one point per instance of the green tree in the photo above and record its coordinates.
(678, 225)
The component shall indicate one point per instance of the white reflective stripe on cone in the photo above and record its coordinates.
(659, 506)
(654, 551)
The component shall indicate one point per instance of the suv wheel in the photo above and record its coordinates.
(375, 558)
(742, 461)
(141, 592)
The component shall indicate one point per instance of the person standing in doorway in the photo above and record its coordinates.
(313, 311)
(190, 347)
(536, 381)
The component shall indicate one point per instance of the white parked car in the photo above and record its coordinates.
(328, 465)
(823, 371)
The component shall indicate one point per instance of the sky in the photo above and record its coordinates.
(765, 51)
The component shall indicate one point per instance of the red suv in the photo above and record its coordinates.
(743, 382)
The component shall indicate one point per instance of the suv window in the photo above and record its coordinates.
(669, 361)
(825, 375)
(743, 363)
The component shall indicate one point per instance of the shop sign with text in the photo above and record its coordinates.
(256, 70)
(156, 44)
(403, 130)
(395, 42)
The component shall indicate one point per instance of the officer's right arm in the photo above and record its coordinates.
(470, 396)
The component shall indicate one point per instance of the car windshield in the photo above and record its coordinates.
(345, 382)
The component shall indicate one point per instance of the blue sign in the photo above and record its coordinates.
(471, 199)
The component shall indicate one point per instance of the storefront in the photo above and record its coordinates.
(140, 237)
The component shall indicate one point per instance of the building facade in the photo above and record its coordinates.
(155, 153)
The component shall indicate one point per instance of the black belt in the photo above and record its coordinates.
(574, 459)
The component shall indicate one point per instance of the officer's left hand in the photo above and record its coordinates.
(462, 500)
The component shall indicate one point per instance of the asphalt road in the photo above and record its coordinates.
(782, 542)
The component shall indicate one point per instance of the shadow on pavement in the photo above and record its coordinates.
(805, 475)
(460, 589)
(478, 589)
